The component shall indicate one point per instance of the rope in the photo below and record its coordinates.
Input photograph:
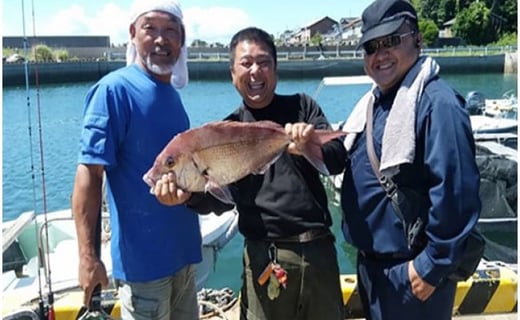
(214, 302)
(220, 312)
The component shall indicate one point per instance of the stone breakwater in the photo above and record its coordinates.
(69, 72)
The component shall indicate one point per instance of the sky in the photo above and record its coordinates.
(208, 20)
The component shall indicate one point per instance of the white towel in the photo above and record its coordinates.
(398, 146)
(179, 77)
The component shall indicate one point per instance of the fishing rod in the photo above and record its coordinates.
(46, 308)
(41, 306)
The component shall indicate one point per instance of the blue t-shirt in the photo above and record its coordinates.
(128, 119)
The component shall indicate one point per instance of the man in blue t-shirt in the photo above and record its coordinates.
(129, 116)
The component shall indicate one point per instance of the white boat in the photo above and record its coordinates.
(484, 124)
(491, 116)
(39, 250)
(505, 107)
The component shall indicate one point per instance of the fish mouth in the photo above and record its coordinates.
(149, 180)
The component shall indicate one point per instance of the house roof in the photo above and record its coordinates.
(318, 21)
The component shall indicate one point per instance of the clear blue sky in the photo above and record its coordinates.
(209, 20)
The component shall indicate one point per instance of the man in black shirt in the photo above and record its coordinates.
(284, 214)
(290, 263)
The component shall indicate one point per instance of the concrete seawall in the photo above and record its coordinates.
(14, 74)
(511, 62)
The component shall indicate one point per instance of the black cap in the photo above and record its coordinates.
(384, 17)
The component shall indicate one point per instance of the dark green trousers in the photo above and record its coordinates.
(313, 285)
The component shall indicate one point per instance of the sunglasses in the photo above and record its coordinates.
(388, 42)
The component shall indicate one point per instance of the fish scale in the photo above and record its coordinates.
(222, 152)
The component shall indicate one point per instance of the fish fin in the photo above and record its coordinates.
(221, 193)
(264, 168)
(313, 153)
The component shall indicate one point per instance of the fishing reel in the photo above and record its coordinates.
(95, 311)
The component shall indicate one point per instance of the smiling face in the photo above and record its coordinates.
(387, 66)
(254, 73)
(158, 38)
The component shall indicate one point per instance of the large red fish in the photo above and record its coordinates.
(216, 154)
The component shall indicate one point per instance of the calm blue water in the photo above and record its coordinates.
(61, 107)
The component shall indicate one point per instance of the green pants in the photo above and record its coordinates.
(313, 285)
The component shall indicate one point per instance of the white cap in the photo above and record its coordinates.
(179, 77)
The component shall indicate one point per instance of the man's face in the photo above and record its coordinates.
(389, 62)
(158, 40)
(254, 74)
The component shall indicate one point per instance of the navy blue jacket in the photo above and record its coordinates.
(444, 170)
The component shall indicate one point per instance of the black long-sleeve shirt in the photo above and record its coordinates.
(290, 197)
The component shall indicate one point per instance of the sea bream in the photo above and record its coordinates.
(209, 157)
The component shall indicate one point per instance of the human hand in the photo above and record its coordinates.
(92, 272)
(300, 134)
(167, 192)
(421, 289)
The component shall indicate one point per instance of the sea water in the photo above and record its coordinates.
(42, 126)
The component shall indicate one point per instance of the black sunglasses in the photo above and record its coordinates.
(391, 41)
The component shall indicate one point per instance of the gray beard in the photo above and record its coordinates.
(157, 69)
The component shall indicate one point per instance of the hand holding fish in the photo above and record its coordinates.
(300, 134)
(167, 192)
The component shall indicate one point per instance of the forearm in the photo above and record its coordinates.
(86, 206)
(335, 156)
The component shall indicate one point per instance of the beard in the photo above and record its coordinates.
(160, 69)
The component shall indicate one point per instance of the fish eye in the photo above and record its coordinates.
(170, 161)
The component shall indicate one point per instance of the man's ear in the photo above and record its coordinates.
(131, 30)
(418, 41)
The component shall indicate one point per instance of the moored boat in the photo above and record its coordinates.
(40, 254)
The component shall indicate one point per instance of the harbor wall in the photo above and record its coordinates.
(511, 62)
(83, 71)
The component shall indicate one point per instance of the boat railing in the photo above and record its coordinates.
(341, 81)
(25, 314)
(497, 220)
(44, 246)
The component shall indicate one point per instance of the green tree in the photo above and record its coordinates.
(429, 31)
(316, 39)
(474, 25)
(505, 15)
(43, 53)
(508, 39)
(502, 17)
(62, 55)
(440, 11)
(199, 43)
